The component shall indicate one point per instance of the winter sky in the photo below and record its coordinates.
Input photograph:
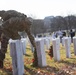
(40, 8)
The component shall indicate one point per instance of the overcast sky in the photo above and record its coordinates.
(40, 8)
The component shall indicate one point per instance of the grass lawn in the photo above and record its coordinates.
(66, 66)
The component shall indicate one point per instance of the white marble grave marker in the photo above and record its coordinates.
(24, 43)
(69, 40)
(41, 53)
(47, 44)
(74, 42)
(56, 49)
(63, 41)
(67, 47)
(17, 57)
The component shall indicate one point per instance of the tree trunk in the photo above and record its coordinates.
(3, 50)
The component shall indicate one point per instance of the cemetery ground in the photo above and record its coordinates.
(66, 66)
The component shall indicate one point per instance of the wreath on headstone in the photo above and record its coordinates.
(51, 52)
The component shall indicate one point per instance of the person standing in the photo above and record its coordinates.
(72, 34)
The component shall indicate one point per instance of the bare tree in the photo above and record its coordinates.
(38, 27)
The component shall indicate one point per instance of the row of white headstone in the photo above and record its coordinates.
(47, 41)
(18, 48)
(66, 42)
(56, 48)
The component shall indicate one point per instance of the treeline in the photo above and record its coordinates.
(53, 24)
(63, 23)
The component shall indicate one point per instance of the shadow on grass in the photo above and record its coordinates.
(72, 52)
(68, 63)
(6, 71)
(28, 48)
(27, 55)
(30, 71)
(41, 70)
(47, 51)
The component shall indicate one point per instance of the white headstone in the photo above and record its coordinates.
(24, 43)
(67, 47)
(74, 42)
(47, 44)
(41, 53)
(17, 57)
(56, 49)
(69, 39)
(63, 41)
